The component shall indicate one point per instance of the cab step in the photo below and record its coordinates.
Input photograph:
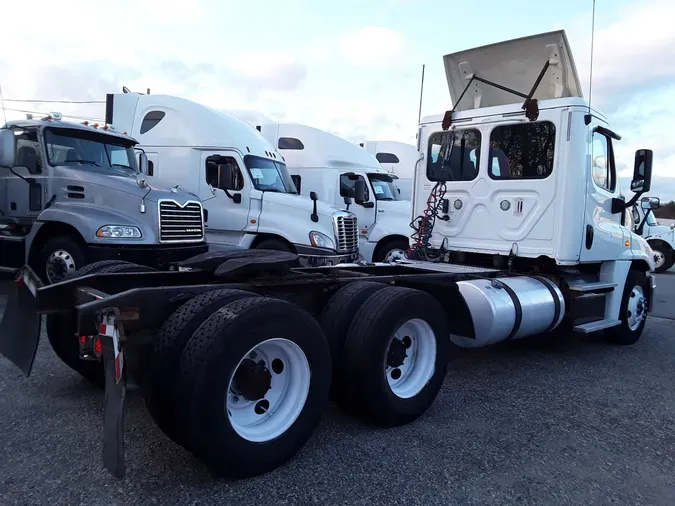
(587, 328)
(594, 287)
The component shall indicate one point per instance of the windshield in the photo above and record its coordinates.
(81, 148)
(650, 219)
(384, 187)
(269, 175)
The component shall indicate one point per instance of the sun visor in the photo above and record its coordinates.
(514, 64)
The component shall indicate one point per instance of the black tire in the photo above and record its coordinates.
(168, 345)
(274, 244)
(366, 391)
(61, 327)
(73, 259)
(388, 246)
(666, 251)
(209, 361)
(336, 318)
(622, 334)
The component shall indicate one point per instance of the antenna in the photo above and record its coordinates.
(590, 78)
(419, 114)
(2, 102)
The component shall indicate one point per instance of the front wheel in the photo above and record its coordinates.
(633, 312)
(59, 259)
(663, 257)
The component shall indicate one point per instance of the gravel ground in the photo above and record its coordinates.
(568, 423)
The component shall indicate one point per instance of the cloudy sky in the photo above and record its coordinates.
(350, 67)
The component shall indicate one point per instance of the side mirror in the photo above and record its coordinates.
(313, 196)
(399, 190)
(650, 203)
(642, 171)
(143, 163)
(359, 191)
(7, 148)
(227, 177)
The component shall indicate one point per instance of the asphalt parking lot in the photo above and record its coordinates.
(579, 422)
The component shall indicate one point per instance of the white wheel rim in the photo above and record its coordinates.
(60, 266)
(407, 375)
(395, 254)
(271, 415)
(659, 259)
(637, 308)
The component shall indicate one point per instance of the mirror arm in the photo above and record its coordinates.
(26, 179)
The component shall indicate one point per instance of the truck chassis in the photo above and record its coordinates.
(237, 352)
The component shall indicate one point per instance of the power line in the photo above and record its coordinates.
(30, 100)
(46, 114)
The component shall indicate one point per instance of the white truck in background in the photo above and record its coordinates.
(397, 158)
(334, 168)
(661, 238)
(249, 198)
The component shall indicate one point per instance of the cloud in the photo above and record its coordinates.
(373, 47)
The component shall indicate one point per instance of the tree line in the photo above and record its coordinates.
(666, 211)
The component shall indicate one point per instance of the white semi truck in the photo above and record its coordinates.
(518, 235)
(244, 184)
(334, 169)
(661, 238)
(399, 159)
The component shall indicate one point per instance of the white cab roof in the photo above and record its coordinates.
(515, 64)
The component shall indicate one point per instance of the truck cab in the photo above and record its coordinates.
(399, 159)
(661, 238)
(335, 169)
(72, 194)
(521, 173)
(243, 181)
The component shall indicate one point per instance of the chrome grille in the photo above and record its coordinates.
(346, 232)
(180, 223)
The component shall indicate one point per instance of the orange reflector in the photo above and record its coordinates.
(252, 221)
(364, 232)
(627, 243)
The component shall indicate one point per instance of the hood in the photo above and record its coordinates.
(300, 202)
(394, 206)
(515, 64)
(662, 232)
(125, 181)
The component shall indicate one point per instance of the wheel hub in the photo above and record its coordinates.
(659, 258)
(398, 351)
(60, 266)
(252, 380)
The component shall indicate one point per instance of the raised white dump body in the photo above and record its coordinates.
(239, 176)
(531, 184)
(332, 167)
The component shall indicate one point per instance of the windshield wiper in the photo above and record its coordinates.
(123, 165)
(89, 162)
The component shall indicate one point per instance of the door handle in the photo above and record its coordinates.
(589, 236)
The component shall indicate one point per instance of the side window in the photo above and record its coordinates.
(602, 162)
(297, 181)
(151, 119)
(215, 164)
(522, 151)
(348, 186)
(454, 155)
(387, 158)
(290, 143)
(28, 151)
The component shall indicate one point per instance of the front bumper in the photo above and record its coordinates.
(157, 256)
(311, 256)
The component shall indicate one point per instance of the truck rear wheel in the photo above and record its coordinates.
(259, 371)
(160, 389)
(391, 250)
(61, 327)
(633, 312)
(336, 317)
(59, 259)
(663, 256)
(395, 356)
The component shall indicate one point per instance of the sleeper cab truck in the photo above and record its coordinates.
(661, 238)
(398, 159)
(517, 235)
(335, 169)
(243, 182)
(72, 194)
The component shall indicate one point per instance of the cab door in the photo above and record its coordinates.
(26, 199)
(366, 211)
(603, 237)
(228, 215)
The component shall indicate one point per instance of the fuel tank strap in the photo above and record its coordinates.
(518, 308)
(556, 301)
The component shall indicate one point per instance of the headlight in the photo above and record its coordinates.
(118, 232)
(321, 240)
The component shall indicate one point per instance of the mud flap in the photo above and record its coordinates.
(115, 401)
(20, 326)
